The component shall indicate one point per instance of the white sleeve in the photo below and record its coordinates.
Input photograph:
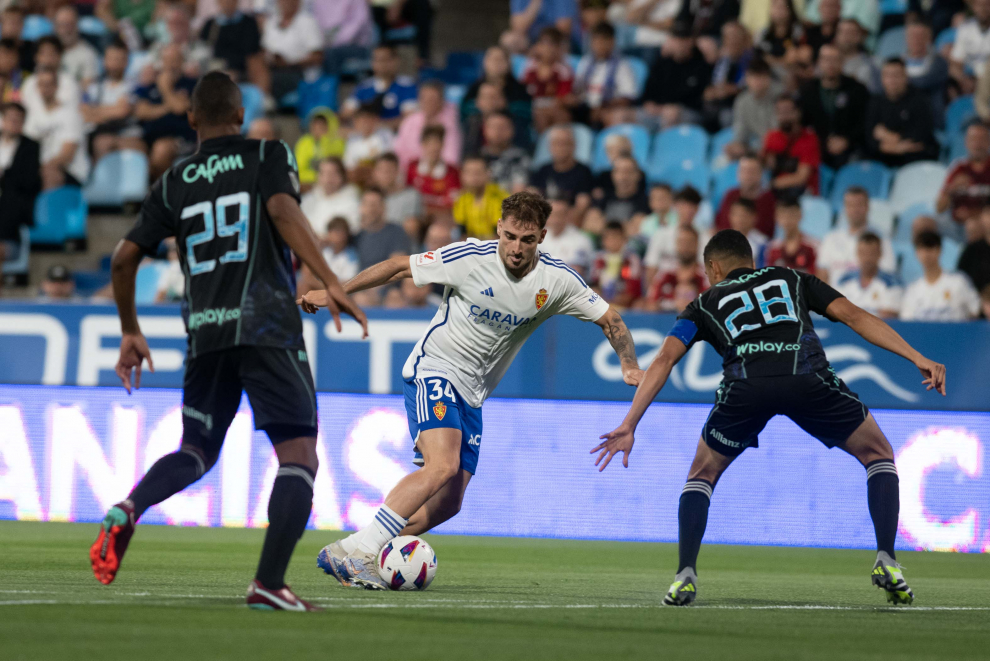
(970, 297)
(909, 306)
(580, 300)
(448, 265)
(625, 82)
(893, 299)
(312, 37)
(959, 47)
(888, 260)
(653, 249)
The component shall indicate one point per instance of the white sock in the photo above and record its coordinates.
(350, 543)
(385, 527)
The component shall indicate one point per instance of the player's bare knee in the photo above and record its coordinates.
(443, 468)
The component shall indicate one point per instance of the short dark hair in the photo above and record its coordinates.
(758, 66)
(8, 43)
(788, 202)
(688, 194)
(363, 109)
(527, 207)
(337, 163)
(474, 157)
(614, 226)
(899, 61)
(748, 205)
(216, 100)
(927, 240)
(438, 132)
(689, 230)
(870, 237)
(339, 223)
(13, 105)
(603, 29)
(386, 46)
(376, 190)
(434, 84)
(856, 190)
(118, 43)
(52, 41)
(553, 34)
(499, 113)
(388, 156)
(728, 244)
(787, 98)
(662, 186)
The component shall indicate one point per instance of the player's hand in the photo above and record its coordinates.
(934, 374)
(619, 440)
(133, 351)
(312, 301)
(336, 301)
(633, 376)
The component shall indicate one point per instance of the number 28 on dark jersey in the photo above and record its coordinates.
(240, 285)
(760, 322)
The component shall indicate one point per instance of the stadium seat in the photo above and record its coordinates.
(676, 146)
(951, 250)
(880, 218)
(638, 136)
(76, 213)
(955, 149)
(716, 157)
(584, 138)
(118, 178)
(826, 176)
(684, 172)
(464, 67)
(146, 284)
(55, 212)
(518, 64)
(893, 7)
(640, 70)
(704, 220)
(455, 94)
(36, 27)
(723, 181)
(404, 33)
(18, 266)
(92, 26)
(890, 44)
(907, 216)
(873, 176)
(957, 115)
(908, 264)
(944, 38)
(917, 182)
(816, 216)
(253, 101)
(322, 92)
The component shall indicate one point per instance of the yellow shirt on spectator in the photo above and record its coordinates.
(479, 217)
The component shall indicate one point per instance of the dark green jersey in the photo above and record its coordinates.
(240, 285)
(760, 322)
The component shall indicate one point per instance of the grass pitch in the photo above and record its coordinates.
(180, 594)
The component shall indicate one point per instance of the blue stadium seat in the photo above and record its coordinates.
(826, 176)
(455, 94)
(917, 182)
(904, 219)
(724, 180)
(54, 212)
(956, 148)
(909, 266)
(584, 139)
(76, 212)
(951, 250)
(895, 7)
(687, 171)
(92, 26)
(19, 265)
(118, 178)
(890, 44)
(945, 37)
(146, 284)
(717, 147)
(957, 115)
(816, 216)
(572, 61)
(404, 33)
(253, 101)
(36, 27)
(322, 92)
(464, 67)
(638, 136)
(640, 70)
(678, 145)
(518, 64)
(873, 176)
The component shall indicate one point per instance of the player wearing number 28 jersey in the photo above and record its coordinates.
(496, 293)
(773, 364)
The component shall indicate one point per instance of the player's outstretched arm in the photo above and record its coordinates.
(383, 273)
(621, 439)
(296, 231)
(133, 347)
(621, 340)
(876, 331)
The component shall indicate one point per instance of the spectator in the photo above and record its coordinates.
(927, 71)
(794, 249)
(79, 59)
(263, 128)
(650, 20)
(293, 47)
(603, 81)
(563, 240)
(564, 177)
(661, 210)
(378, 239)
(899, 125)
(706, 18)
(548, 79)
(661, 252)
(490, 99)
(58, 285)
(323, 141)
(433, 110)
(673, 290)
(235, 42)
(400, 13)
(728, 76)
(58, 128)
(753, 110)
(349, 28)
(966, 190)
(337, 250)
(530, 17)
(616, 271)
(868, 287)
(625, 202)
(834, 105)
(20, 180)
(207, 9)
(817, 35)
(107, 107)
(742, 218)
(368, 140)
(478, 208)
(403, 204)
(406, 295)
(12, 76)
(161, 107)
(676, 84)
(750, 177)
(972, 47)
(331, 197)
(496, 70)
(975, 258)
(780, 41)
(392, 94)
(436, 180)
(132, 19)
(856, 61)
(837, 255)
(48, 55)
(938, 295)
(617, 145)
(178, 31)
(12, 27)
(940, 15)
(791, 152)
(508, 163)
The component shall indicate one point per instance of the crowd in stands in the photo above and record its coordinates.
(842, 137)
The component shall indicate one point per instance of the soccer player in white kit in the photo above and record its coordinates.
(496, 293)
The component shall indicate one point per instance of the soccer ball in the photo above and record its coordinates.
(407, 563)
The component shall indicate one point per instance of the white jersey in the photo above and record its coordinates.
(487, 313)
(882, 293)
(950, 298)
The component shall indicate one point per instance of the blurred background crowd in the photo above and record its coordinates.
(845, 138)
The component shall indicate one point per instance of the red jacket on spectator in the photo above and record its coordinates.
(766, 205)
(804, 148)
(437, 186)
(618, 276)
(559, 84)
(802, 260)
(670, 287)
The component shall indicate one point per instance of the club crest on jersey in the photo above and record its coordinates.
(541, 298)
(440, 410)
